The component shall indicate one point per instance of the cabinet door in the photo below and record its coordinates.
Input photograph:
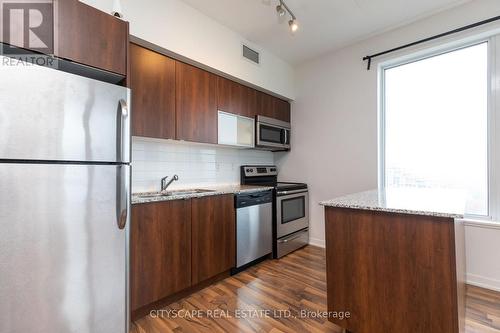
(227, 129)
(152, 80)
(265, 105)
(282, 110)
(250, 105)
(230, 96)
(89, 36)
(236, 130)
(196, 104)
(213, 236)
(236, 98)
(160, 250)
(272, 107)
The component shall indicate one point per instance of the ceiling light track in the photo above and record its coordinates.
(282, 9)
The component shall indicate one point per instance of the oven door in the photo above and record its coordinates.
(271, 136)
(292, 212)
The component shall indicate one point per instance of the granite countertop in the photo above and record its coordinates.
(138, 198)
(438, 203)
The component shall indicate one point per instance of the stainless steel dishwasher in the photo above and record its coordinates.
(254, 220)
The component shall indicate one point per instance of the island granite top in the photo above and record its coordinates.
(428, 202)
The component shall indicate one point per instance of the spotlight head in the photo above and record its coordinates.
(280, 10)
(293, 25)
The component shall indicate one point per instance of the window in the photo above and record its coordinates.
(435, 125)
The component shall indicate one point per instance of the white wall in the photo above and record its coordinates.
(334, 119)
(483, 252)
(175, 26)
(197, 165)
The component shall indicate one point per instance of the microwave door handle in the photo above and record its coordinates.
(283, 136)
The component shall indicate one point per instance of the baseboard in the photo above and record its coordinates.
(483, 282)
(317, 242)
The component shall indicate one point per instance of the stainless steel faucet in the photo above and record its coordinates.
(165, 184)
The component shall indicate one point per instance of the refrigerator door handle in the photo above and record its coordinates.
(122, 195)
(123, 132)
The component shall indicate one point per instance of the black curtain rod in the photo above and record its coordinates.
(425, 40)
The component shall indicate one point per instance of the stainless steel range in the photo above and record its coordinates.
(290, 207)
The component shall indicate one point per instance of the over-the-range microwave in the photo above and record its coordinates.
(272, 134)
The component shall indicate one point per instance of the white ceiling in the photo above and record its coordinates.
(325, 25)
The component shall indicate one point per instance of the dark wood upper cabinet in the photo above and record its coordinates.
(272, 107)
(152, 80)
(282, 110)
(265, 105)
(236, 98)
(196, 104)
(160, 251)
(250, 106)
(86, 35)
(229, 95)
(213, 236)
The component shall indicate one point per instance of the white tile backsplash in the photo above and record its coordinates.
(197, 165)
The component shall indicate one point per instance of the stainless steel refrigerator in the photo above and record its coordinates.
(64, 202)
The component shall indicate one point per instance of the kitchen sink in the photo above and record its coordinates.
(172, 193)
(187, 192)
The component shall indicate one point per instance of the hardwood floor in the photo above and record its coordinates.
(483, 310)
(274, 296)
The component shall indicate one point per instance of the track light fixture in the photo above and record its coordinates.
(282, 9)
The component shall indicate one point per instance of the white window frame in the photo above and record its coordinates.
(493, 40)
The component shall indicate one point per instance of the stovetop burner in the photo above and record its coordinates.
(267, 176)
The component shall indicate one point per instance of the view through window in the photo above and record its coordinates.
(435, 132)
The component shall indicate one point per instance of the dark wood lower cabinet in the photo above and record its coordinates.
(160, 251)
(178, 247)
(213, 236)
(395, 272)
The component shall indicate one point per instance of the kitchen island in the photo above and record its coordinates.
(396, 261)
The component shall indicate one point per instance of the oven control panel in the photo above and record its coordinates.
(259, 171)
